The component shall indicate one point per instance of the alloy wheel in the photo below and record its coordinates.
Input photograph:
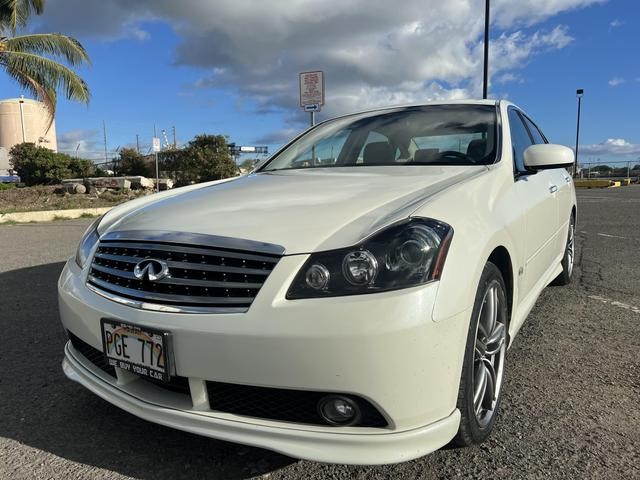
(571, 247)
(488, 358)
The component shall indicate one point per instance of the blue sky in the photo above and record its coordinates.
(231, 67)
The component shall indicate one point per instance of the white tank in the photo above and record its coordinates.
(24, 120)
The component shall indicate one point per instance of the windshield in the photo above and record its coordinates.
(427, 135)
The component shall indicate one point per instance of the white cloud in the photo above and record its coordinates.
(616, 23)
(278, 137)
(84, 143)
(509, 78)
(373, 52)
(615, 81)
(612, 147)
(529, 12)
(134, 31)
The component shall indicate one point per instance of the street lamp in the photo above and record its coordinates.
(579, 94)
(485, 84)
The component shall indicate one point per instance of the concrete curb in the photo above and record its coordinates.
(50, 215)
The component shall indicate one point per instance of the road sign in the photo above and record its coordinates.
(312, 89)
(156, 144)
(240, 149)
(314, 107)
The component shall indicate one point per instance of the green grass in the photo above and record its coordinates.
(7, 186)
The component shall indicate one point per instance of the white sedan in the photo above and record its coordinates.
(350, 301)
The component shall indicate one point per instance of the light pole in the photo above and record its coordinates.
(21, 102)
(579, 94)
(485, 84)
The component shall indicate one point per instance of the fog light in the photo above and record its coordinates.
(337, 410)
(317, 277)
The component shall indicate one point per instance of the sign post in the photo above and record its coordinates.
(311, 93)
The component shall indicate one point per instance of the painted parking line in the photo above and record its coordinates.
(614, 236)
(615, 303)
(608, 235)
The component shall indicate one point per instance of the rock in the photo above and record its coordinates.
(75, 188)
(120, 183)
(165, 183)
(140, 182)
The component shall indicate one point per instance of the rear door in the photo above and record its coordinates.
(539, 206)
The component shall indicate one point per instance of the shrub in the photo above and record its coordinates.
(205, 158)
(132, 163)
(38, 165)
(81, 167)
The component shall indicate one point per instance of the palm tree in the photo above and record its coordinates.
(32, 59)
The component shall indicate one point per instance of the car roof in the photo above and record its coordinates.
(492, 102)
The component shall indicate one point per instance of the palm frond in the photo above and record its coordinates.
(54, 44)
(46, 96)
(15, 14)
(47, 73)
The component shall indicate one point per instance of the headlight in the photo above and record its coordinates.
(404, 255)
(89, 239)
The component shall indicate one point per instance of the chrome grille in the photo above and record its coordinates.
(204, 276)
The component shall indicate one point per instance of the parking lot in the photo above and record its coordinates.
(571, 408)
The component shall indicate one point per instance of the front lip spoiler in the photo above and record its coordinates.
(338, 447)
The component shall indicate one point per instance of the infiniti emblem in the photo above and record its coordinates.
(151, 269)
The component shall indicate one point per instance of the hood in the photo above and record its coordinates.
(302, 210)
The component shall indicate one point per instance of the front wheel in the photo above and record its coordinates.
(484, 361)
(569, 255)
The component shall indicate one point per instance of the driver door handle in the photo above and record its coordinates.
(553, 188)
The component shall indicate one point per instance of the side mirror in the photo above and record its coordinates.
(547, 155)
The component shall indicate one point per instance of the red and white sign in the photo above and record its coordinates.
(312, 88)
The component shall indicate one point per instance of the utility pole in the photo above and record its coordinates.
(104, 131)
(137, 143)
(579, 94)
(485, 84)
(156, 152)
(175, 144)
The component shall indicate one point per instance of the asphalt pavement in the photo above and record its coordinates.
(571, 407)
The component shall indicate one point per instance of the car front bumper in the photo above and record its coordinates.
(384, 348)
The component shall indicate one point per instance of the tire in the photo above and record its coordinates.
(568, 258)
(484, 364)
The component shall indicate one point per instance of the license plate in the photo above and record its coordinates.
(138, 350)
